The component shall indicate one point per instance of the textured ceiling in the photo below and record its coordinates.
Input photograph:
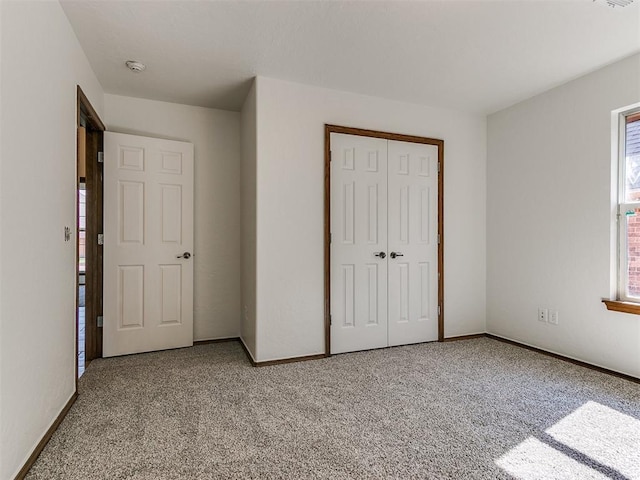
(477, 56)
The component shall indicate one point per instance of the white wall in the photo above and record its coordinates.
(549, 220)
(216, 138)
(2, 440)
(248, 214)
(2, 413)
(41, 64)
(290, 199)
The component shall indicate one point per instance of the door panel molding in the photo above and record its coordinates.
(148, 240)
(412, 232)
(359, 230)
(329, 129)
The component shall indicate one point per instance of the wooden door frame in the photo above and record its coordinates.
(328, 130)
(93, 253)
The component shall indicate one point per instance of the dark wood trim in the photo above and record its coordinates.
(385, 135)
(441, 240)
(45, 439)
(216, 340)
(93, 251)
(277, 362)
(328, 130)
(624, 307)
(94, 129)
(247, 352)
(84, 106)
(464, 337)
(305, 358)
(93, 275)
(565, 359)
(327, 239)
(390, 347)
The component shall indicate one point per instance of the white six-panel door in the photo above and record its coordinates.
(359, 232)
(148, 226)
(413, 241)
(384, 199)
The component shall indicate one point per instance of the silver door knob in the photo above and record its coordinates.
(380, 254)
(396, 254)
(185, 255)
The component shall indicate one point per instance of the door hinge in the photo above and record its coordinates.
(100, 157)
(330, 155)
(331, 238)
(438, 167)
(330, 320)
(438, 239)
(101, 239)
(100, 321)
(438, 310)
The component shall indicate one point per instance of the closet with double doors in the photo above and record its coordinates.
(384, 242)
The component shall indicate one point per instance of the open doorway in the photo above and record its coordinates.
(82, 257)
(89, 230)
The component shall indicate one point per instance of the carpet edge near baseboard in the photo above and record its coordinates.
(566, 358)
(22, 473)
(215, 340)
(470, 336)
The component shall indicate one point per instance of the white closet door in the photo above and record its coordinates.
(413, 240)
(359, 232)
(148, 222)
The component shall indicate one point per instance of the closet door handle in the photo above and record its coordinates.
(396, 254)
(380, 254)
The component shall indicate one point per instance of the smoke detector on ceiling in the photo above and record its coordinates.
(138, 67)
(616, 3)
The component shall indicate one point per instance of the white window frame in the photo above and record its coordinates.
(623, 206)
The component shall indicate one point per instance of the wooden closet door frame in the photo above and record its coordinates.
(93, 266)
(328, 130)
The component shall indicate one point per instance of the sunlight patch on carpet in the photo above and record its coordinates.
(604, 435)
(535, 460)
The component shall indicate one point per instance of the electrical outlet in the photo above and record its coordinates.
(553, 317)
(543, 315)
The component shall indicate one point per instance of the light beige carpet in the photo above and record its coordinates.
(473, 409)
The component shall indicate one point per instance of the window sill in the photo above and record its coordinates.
(624, 307)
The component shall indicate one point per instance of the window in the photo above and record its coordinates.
(629, 207)
(82, 226)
